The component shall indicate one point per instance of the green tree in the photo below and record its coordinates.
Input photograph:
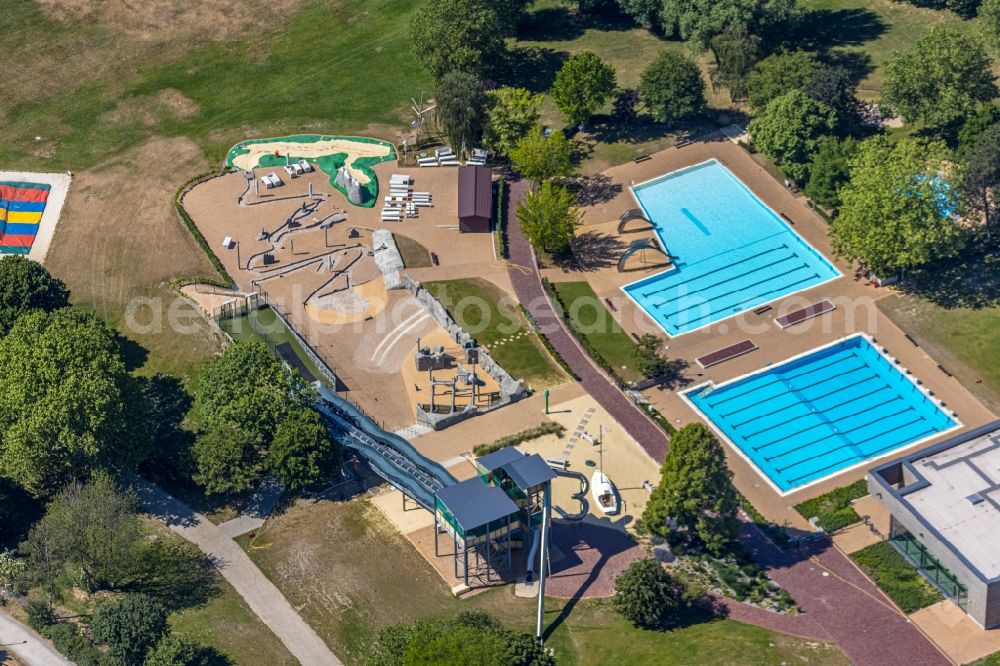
(981, 177)
(538, 157)
(734, 52)
(461, 108)
(974, 125)
(672, 88)
(513, 113)
(549, 217)
(624, 105)
(644, 12)
(130, 626)
(228, 459)
(67, 403)
(646, 595)
(830, 170)
(168, 403)
(649, 360)
(834, 86)
(695, 490)
(698, 21)
(249, 388)
(940, 79)
(25, 286)
(778, 74)
(894, 210)
(511, 12)
(303, 452)
(459, 36)
(789, 131)
(90, 531)
(989, 18)
(583, 84)
(173, 650)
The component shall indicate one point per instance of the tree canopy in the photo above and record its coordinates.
(130, 626)
(981, 177)
(940, 79)
(830, 170)
(461, 108)
(789, 130)
(698, 21)
(538, 157)
(894, 210)
(513, 113)
(549, 217)
(460, 35)
(672, 88)
(989, 18)
(67, 403)
(734, 51)
(303, 452)
(173, 650)
(646, 595)
(583, 84)
(695, 490)
(26, 286)
(229, 459)
(648, 358)
(778, 74)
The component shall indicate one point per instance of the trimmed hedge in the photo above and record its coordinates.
(896, 577)
(540, 430)
(834, 509)
(501, 225)
(198, 237)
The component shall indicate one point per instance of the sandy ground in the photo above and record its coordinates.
(59, 183)
(120, 244)
(312, 149)
(209, 297)
(956, 633)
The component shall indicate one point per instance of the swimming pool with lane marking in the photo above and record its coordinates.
(731, 252)
(822, 413)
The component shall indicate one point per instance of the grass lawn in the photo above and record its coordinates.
(413, 253)
(965, 340)
(896, 577)
(833, 509)
(493, 318)
(601, 330)
(321, 557)
(227, 624)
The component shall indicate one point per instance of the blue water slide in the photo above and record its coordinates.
(392, 457)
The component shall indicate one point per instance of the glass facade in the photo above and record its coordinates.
(927, 564)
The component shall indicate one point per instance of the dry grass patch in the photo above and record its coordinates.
(149, 110)
(120, 243)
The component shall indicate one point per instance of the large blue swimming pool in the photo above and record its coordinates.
(821, 413)
(731, 252)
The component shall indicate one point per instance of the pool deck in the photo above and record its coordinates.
(856, 311)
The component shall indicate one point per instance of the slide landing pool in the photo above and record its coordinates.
(822, 413)
(731, 252)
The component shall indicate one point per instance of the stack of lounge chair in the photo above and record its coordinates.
(400, 201)
(442, 157)
(478, 157)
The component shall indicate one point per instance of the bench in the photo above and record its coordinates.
(434, 259)
(802, 314)
(727, 353)
(557, 463)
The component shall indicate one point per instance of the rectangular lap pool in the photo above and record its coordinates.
(821, 413)
(731, 252)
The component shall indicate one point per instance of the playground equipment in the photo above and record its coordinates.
(642, 246)
(21, 208)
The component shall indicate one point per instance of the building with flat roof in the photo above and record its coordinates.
(944, 506)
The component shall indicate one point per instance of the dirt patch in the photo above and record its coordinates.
(148, 110)
(162, 20)
(120, 244)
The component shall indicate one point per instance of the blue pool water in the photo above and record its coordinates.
(731, 252)
(813, 416)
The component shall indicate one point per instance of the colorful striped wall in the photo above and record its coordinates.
(21, 207)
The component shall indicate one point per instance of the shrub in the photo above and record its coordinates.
(130, 627)
(540, 430)
(646, 595)
(834, 509)
(69, 642)
(896, 577)
(39, 615)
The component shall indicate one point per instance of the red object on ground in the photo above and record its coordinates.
(251, 534)
(277, 154)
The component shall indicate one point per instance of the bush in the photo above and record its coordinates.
(834, 509)
(193, 228)
(646, 595)
(896, 577)
(540, 430)
(130, 627)
(39, 615)
(69, 642)
(501, 213)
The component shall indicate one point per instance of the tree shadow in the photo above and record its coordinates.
(176, 574)
(133, 354)
(594, 250)
(550, 24)
(18, 512)
(591, 190)
(965, 282)
(534, 67)
(823, 29)
(857, 63)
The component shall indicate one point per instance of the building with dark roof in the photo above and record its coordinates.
(475, 198)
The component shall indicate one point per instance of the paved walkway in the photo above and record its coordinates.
(840, 603)
(264, 599)
(26, 645)
(531, 293)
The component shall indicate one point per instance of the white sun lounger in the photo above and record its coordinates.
(450, 162)
(427, 160)
(423, 204)
(422, 194)
(399, 179)
(442, 153)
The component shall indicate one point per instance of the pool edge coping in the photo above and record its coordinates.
(770, 482)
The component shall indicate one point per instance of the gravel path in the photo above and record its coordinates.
(26, 645)
(264, 599)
